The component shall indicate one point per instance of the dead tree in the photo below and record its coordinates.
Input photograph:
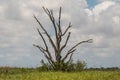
(56, 44)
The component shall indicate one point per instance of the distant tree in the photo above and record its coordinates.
(59, 62)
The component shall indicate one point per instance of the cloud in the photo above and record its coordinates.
(102, 26)
(117, 1)
(102, 7)
(18, 30)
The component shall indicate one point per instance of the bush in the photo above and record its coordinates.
(78, 66)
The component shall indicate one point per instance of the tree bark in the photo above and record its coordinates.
(56, 45)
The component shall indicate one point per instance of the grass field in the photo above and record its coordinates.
(35, 75)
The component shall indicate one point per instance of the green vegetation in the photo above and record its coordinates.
(34, 74)
(66, 67)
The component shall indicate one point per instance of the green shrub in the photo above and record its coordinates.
(78, 66)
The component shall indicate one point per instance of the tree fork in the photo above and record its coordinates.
(56, 45)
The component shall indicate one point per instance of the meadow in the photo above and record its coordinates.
(33, 74)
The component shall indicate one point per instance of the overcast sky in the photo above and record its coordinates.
(96, 19)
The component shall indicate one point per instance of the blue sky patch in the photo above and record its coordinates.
(91, 3)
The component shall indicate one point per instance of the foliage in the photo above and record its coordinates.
(15, 70)
(68, 67)
(104, 69)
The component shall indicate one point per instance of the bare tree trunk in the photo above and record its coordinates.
(56, 45)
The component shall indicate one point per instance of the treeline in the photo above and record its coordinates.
(15, 70)
(104, 69)
(74, 67)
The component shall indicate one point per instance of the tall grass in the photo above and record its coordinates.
(84, 75)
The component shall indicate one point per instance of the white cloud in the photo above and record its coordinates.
(17, 30)
(117, 1)
(99, 9)
(116, 20)
(103, 27)
(1, 9)
(102, 7)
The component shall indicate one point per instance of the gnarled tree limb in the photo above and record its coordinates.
(56, 44)
(72, 49)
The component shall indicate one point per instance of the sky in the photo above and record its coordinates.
(91, 3)
(91, 19)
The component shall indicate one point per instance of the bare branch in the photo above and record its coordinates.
(67, 29)
(88, 41)
(65, 41)
(73, 48)
(70, 57)
(68, 53)
(40, 24)
(51, 41)
(40, 48)
(56, 44)
(45, 52)
(43, 39)
(59, 26)
(46, 10)
(49, 60)
(51, 17)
